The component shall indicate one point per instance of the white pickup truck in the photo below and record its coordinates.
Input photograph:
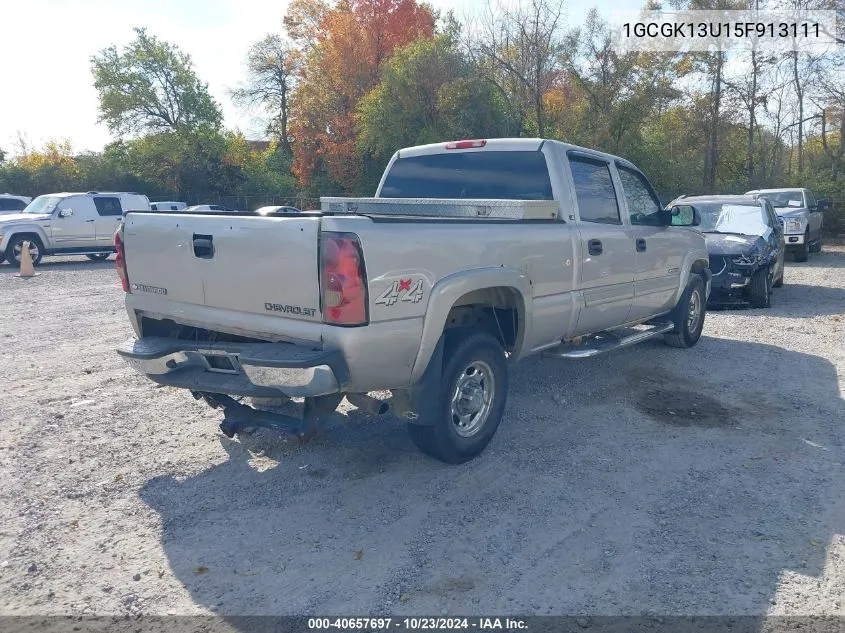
(471, 254)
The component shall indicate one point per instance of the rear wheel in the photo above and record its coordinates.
(688, 315)
(98, 257)
(470, 401)
(760, 289)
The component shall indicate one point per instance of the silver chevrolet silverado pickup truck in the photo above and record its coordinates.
(472, 254)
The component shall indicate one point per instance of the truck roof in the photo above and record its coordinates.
(778, 189)
(67, 194)
(503, 145)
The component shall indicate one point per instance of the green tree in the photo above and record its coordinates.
(151, 87)
(427, 93)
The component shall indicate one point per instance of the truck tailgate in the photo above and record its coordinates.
(260, 265)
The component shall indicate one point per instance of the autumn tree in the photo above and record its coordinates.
(272, 68)
(151, 86)
(352, 43)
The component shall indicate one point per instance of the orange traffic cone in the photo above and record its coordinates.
(26, 269)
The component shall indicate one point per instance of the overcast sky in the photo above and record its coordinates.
(45, 76)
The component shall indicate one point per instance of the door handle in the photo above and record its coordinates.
(640, 245)
(203, 246)
(89, 220)
(594, 247)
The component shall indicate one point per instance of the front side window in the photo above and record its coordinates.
(643, 206)
(594, 190)
(108, 206)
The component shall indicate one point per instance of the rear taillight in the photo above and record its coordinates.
(343, 279)
(120, 262)
(466, 144)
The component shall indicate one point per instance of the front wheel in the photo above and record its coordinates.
(802, 253)
(98, 257)
(13, 251)
(760, 289)
(470, 402)
(688, 316)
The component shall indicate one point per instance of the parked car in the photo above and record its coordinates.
(215, 208)
(477, 252)
(275, 210)
(167, 206)
(802, 218)
(746, 247)
(67, 224)
(10, 203)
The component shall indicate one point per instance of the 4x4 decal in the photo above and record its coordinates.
(402, 290)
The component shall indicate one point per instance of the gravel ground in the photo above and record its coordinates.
(649, 481)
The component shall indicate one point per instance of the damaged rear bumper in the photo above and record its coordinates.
(243, 369)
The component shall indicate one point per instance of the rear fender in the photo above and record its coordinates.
(446, 292)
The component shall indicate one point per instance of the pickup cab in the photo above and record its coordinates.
(67, 224)
(471, 255)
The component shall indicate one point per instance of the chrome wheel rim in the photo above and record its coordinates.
(33, 251)
(472, 398)
(694, 313)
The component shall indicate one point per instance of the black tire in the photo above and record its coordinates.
(802, 253)
(98, 257)
(36, 249)
(779, 282)
(687, 329)
(817, 245)
(475, 353)
(760, 289)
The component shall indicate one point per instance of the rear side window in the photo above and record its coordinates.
(12, 204)
(594, 190)
(485, 174)
(108, 206)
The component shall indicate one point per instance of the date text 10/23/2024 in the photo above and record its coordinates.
(417, 624)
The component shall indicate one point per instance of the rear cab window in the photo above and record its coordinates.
(507, 175)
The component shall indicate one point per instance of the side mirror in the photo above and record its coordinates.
(684, 215)
(65, 213)
(821, 204)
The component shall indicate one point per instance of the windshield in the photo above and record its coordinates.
(732, 218)
(782, 199)
(42, 204)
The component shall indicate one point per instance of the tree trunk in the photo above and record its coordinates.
(752, 107)
(799, 93)
(712, 158)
